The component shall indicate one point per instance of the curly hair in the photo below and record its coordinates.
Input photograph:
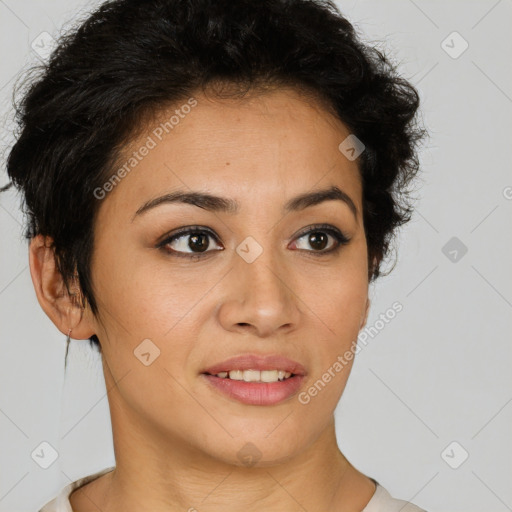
(130, 58)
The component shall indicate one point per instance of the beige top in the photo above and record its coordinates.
(381, 501)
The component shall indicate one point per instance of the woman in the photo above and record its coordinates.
(211, 186)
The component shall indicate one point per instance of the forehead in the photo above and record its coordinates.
(273, 143)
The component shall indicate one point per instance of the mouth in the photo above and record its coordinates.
(256, 380)
(245, 366)
(254, 375)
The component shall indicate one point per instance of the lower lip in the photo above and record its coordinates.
(257, 393)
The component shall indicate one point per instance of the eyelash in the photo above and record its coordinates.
(339, 237)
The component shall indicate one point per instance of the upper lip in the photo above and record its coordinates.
(257, 362)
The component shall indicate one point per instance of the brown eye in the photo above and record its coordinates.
(318, 239)
(199, 242)
(189, 243)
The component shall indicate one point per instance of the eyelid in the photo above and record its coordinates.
(338, 233)
(185, 231)
(339, 236)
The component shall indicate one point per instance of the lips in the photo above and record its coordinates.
(256, 393)
(257, 362)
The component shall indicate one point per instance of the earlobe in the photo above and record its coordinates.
(366, 311)
(61, 307)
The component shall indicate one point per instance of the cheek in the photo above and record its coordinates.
(143, 297)
(151, 319)
(338, 306)
(337, 300)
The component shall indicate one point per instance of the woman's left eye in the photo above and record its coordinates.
(193, 242)
(318, 238)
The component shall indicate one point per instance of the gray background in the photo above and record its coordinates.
(438, 373)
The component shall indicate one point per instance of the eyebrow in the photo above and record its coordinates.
(231, 206)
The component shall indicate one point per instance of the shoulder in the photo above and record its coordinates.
(382, 501)
(61, 502)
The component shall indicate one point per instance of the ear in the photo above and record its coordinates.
(63, 309)
(374, 264)
(366, 310)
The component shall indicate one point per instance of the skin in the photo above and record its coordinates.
(261, 151)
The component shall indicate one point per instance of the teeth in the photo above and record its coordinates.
(236, 375)
(251, 375)
(255, 375)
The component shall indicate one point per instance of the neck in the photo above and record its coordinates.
(178, 477)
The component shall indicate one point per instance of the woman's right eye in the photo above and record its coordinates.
(190, 243)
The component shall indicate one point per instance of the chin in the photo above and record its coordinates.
(265, 447)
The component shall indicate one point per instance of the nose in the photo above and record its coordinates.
(259, 298)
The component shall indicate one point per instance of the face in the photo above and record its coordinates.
(184, 286)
